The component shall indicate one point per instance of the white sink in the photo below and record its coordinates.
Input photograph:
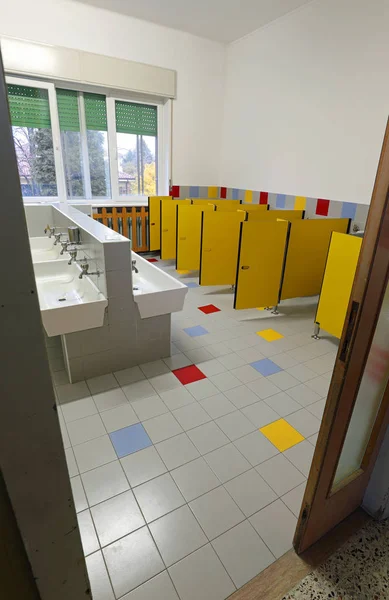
(67, 302)
(156, 292)
(43, 249)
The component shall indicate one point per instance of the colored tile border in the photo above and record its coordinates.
(270, 335)
(196, 331)
(130, 439)
(282, 435)
(189, 374)
(208, 309)
(266, 367)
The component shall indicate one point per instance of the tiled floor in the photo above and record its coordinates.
(188, 472)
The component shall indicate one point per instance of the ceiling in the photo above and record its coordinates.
(219, 20)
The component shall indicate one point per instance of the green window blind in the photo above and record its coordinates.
(69, 119)
(29, 107)
(136, 118)
(95, 112)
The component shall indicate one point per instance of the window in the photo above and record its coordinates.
(31, 128)
(136, 131)
(70, 143)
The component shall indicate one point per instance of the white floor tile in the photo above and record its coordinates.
(202, 389)
(78, 409)
(301, 456)
(216, 512)
(154, 368)
(283, 404)
(70, 392)
(160, 587)
(162, 427)
(119, 417)
(158, 497)
(276, 525)
(280, 474)
(246, 374)
(104, 482)
(303, 395)
(177, 451)
(241, 396)
(250, 492)
(191, 416)
(320, 385)
(177, 535)
(313, 439)
(218, 349)
(302, 373)
(235, 425)
(131, 375)
(284, 361)
(283, 380)
(294, 498)
(227, 462)
(194, 479)
(85, 429)
(138, 550)
(94, 453)
(142, 466)
(263, 388)
(321, 364)
(250, 355)
(260, 413)
(217, 406)
(98, 577)
(177, 398)
(88, 535)
(243, 553)
(256, 448)
(139, 390)
(304, 421)
(71, 462)
(225, 381)
(208, 437)
(80, 501)
(177, 361)
(116, 517)
(211, 367)
(198, 355)
(232, 361)
(164, 383)
(110, 399)
(201, 575)
(102, 383)
(147, 408)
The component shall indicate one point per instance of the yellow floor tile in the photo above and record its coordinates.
(270, 335)
(261, 308)
(282, 435)
(183, 272)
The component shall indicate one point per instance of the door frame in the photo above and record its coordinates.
(323, 508)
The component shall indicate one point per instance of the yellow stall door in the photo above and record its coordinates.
(155, 221)
(189, 236)
(338, 280)
(307, 253)
(271, 215)
(219, 247)
(262, 251)
(216, 202)
(169, 227)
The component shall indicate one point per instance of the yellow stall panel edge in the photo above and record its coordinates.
(260, 264)
(189, 236)
(338, 280)
(307, 254)
(169, 227)
(288, 215)
(219, 247)
(154, 203)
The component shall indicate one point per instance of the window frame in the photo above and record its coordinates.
(163, 142)
(56, 135)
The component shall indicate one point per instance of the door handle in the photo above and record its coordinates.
(182, 238)
(349, 331)
(164, 230)
(245, 267)
(207, 249)
(152, 223)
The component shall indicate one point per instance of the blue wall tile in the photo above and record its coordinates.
(280, 201)
(348, 210)
(235, 194)
(194, 191)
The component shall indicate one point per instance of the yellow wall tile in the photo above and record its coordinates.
(300, 203)
(213, 192)
(248, 196)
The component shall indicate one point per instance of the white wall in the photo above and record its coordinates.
(199, 64)
(307, 99)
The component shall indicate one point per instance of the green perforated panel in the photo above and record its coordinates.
(28, 106)
(95, 112)
(69, 119)
(136, 118)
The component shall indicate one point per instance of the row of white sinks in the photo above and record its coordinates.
(70, 304)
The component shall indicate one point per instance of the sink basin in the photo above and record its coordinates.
(156, 292)
(43, 249)
(67, 303)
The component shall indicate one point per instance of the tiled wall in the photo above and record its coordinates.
(314, 207)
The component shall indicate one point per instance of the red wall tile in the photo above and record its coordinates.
(263, 197)
(223, 192)
(175, 191)
(322, 207)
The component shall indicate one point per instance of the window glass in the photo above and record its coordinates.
(31, 128)
(97, 143)
(69, 123)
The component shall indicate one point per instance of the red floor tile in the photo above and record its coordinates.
(189, 374)
(152, 260)
(209, 308)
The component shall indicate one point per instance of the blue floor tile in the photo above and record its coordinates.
(130, 439)
(196, 331)
(192, 284)
(266, 367)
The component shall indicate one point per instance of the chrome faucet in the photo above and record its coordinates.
(73, 255)
(50, 229)
(134, 268)
(85, 271)
(58, 238)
